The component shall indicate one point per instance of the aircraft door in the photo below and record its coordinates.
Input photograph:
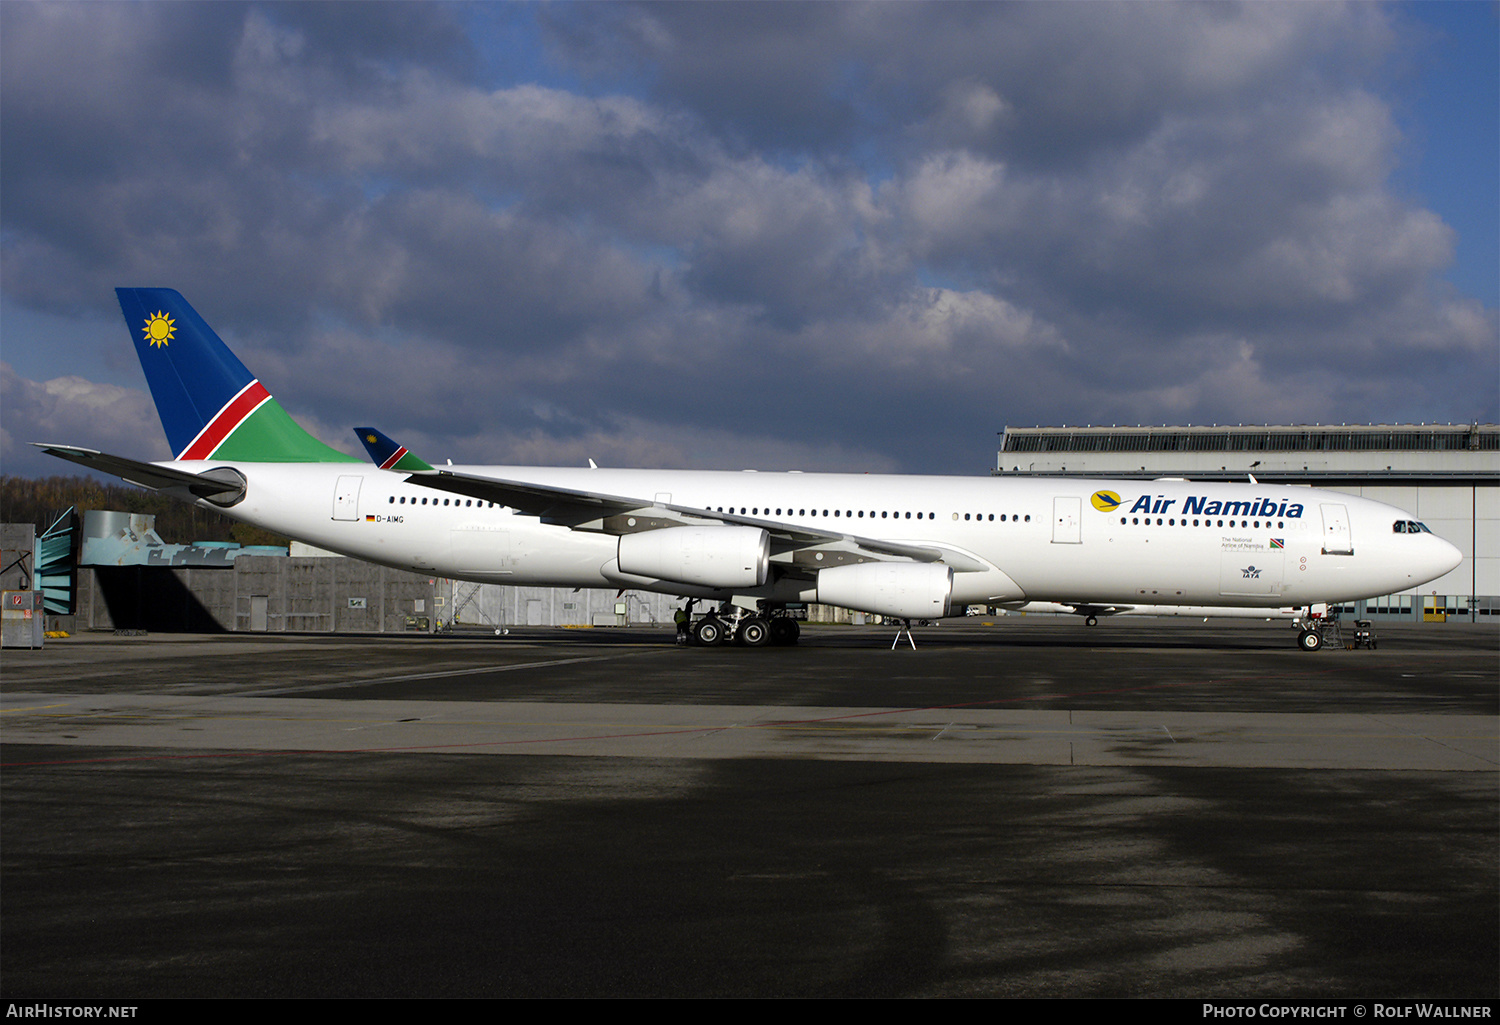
(346, 498)
(1252, 571)
(1336, 536)
(260, 612)
(1067, 520)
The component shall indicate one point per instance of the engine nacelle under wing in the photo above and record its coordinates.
(706, 556)
(906, 590)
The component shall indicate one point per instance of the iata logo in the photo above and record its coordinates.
(1106, 501)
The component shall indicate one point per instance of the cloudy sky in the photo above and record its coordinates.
(823, 236)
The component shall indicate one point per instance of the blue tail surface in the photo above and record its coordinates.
(210, 405)
(387, 453)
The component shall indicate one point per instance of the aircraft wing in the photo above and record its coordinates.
(619, 514)
(221, 485)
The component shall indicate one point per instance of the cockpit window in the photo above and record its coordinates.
(1410, 527)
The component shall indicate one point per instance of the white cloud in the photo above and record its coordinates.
(777, 225)
(72, 410)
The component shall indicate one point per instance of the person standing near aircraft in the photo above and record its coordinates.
(684, 619)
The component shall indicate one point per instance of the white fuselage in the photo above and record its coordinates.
(1040, 539)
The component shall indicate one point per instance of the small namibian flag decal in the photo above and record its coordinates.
(1277, 542)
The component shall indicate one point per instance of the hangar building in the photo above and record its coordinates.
(1446, 475)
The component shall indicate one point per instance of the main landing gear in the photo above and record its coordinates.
(744, 627)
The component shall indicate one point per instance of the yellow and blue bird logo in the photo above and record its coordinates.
(1106, 501)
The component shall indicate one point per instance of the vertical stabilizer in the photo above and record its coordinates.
(210, 406)
(388, 454)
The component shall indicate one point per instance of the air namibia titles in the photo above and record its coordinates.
(1202, 505)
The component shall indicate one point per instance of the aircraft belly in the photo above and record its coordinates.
(528, 553)
(1119, 569)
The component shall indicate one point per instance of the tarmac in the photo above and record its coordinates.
(1019, 807)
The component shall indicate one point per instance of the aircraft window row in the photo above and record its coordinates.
(861, 514)
(1172, 522)
(393, 500)
(846, 513)
(1410, 527)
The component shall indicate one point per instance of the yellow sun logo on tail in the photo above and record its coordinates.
(159, 328)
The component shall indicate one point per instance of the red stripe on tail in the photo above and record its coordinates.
(223, 424)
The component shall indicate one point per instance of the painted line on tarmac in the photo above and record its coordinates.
(438, 674)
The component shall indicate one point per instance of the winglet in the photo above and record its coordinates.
(387, 454)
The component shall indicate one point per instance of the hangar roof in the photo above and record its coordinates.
(1350, 453)
(1303, 438)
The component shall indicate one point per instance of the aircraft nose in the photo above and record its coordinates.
(1445, 558)
(1430, 560)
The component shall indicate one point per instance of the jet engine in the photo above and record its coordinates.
(707, 556)
(906, 590)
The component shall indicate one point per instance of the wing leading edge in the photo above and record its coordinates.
(619, 514)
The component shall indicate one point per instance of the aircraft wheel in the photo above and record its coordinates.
(708, 632)
(1092, 621)
(784, 630)
(1310, 640)
(755, 632)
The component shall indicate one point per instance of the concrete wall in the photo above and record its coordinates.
(17, 545)
(321, 595)
(495, 605)
(299, 595)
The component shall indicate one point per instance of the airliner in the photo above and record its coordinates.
(903, 547)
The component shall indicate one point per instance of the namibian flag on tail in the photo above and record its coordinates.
(210, 406)
(387, 454)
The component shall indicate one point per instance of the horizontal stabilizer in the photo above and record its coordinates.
(222, 485)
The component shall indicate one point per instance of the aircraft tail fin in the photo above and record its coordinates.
(387, 454)
(210, 406)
